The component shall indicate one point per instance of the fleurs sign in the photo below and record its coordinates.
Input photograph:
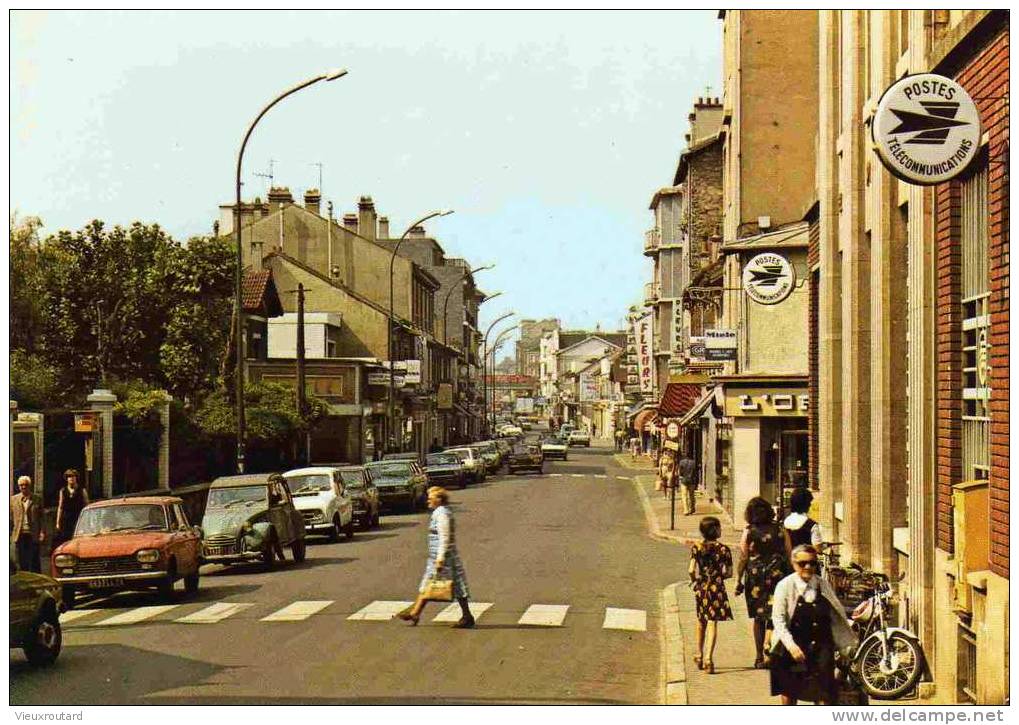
(768, 278)
(644, 334)
(926, 129)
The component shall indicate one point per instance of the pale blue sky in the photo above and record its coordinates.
(547, 132)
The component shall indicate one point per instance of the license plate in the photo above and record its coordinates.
(105, 583)
(217, 550)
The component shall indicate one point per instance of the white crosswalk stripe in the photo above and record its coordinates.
(379, 611)
(556, 475)
(600, 475)
(73, 614)
(544, 615)
(634, 620)
(452, 612)
(214, 613)
(297, 611)
(623, 478)
(577, 475)
(133, 616)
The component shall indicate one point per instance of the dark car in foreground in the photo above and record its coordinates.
(400, 483)
(35, 607)
(526, 458)
(445, 469)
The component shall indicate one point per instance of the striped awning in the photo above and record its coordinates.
(679, 398)
(643, 420)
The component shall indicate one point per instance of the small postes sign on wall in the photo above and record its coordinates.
(768, 278)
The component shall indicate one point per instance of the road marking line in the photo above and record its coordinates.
(577, 475)
(622, 478)
(214, 613)
(297, 612)
(139, 614)
(556, 475)
(634, 620)
(600, 475)
(452, 612)
(73, 614)
(544, 615)
(379, 611)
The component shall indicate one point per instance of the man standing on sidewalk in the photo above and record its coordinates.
(26, 525)
(687, 471)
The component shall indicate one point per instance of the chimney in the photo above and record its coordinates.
(366, 218)
(384, 227)
(417, 232)
(313, 201)
(279, 196)
(350, 222)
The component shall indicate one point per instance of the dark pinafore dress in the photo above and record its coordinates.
(812, 680)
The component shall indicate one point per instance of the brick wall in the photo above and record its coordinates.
(704, 182)
(985, 76)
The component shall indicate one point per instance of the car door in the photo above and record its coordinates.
(294, 517)
(277, 514)
(371, 493)
(343, 503)
(22, 605)
(190, 544)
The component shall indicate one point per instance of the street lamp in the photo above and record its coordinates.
(484, 356)
(392, 368)
(331, 75)
(495, 348)
(445, 303)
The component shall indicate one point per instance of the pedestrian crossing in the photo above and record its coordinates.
(535, 615)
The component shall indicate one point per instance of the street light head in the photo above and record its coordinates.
(445, 212)
(482, 269)
(335, 73)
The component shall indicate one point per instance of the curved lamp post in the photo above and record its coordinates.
(445, 303)
(495, 348)
(238, 276)
(392, 367)
(484, 358)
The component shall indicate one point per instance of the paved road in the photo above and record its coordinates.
(574, 538)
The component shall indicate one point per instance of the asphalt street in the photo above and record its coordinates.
(574, 538)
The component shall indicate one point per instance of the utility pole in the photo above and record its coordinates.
(302, 403)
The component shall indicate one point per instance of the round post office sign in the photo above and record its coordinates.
(768, 278)
(926, 129)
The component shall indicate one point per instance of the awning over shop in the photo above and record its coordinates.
(679, 398)
(643, 420)
(698, 409)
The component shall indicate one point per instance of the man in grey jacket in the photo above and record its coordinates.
(26, 525)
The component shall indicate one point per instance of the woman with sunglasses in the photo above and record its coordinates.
(809, 627)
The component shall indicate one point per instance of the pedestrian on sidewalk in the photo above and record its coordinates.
(765, 549)
(710, 566)
(70, 502)
(443, 561)
(809, 628)
(687, 474)
(635, 447)
(802, 529)
(666, 478)
(26, 526)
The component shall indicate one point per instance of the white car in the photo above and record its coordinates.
(321, 498)
(580, 438)
(507, 431)
(473, 463)
(554, 448)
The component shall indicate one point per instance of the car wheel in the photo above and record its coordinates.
(191, 583)
(334, 531)
(348, 530)
(45, 638)
(268, 555)
(166, 586)
(377, 520)
(68, 594)
(298, 550)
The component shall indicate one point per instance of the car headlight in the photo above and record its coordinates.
(65, 560)
(147, 556)
(246, 527)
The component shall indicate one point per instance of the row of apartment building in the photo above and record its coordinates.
(344, 267)
(816, 320)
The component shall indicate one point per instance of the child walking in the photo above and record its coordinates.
(710, 566)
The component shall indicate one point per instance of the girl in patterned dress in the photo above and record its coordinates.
(443, 559)
(710, 566)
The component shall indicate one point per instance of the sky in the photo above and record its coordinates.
(546, 132)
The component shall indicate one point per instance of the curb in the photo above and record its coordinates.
(654, 530)
(673, 652)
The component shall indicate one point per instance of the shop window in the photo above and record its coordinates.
(976, 353)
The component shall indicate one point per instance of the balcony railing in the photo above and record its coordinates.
(651, 293)
(652, 240)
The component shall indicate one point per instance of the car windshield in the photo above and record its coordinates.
(391, 470)
(463, 454)
(352, 479)
(121, 517)
(235, 495)
(310, 483)
(441, 459)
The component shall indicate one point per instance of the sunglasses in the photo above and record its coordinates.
(805, 562)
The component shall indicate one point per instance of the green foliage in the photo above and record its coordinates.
(35, 384)
(270, 413)
(140, 404)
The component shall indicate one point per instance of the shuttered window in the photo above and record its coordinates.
(976, 353)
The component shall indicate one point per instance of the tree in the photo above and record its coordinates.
(28, 288)
(34, 383)
(271, 414)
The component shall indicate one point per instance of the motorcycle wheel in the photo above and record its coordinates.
(892, 679)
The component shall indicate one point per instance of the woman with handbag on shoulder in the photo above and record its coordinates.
(444, 578)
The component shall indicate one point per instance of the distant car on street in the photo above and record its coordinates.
(554, 447)
(126, 544)
(474, 466)
(445, 469)
(34, 612)
(363, 494)
(408, 456)
(400, 482)
(580, 438)
(251, 517)
(526, 457)
(321, 496)
(490, 454)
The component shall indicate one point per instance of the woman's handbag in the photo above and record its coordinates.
(438, 590)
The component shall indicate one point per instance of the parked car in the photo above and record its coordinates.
(445, 469)
(400, 482)
(321, 497)
(409, 456)
(580, 438)
(127, 544)
(509, 431)
(490, 454)
(251, 517)
(526, 457)
(554, 447)
(474, 466)
(363, 494)
(35, 606)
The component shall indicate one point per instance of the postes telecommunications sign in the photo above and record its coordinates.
(768, 278)
(926, 129)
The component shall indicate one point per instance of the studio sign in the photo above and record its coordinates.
(926, 129)
(768, 278)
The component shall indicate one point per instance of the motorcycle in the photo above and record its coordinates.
(889, 660)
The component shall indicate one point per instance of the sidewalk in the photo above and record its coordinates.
(735, 681)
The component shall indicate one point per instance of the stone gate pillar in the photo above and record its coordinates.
(164, 443)
(102, 402)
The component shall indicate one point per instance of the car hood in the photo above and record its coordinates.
(389, 482)
(36, 582)
(117, 544)
(553, 445)
(444, 467)
(228, 520)
(307, 502)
